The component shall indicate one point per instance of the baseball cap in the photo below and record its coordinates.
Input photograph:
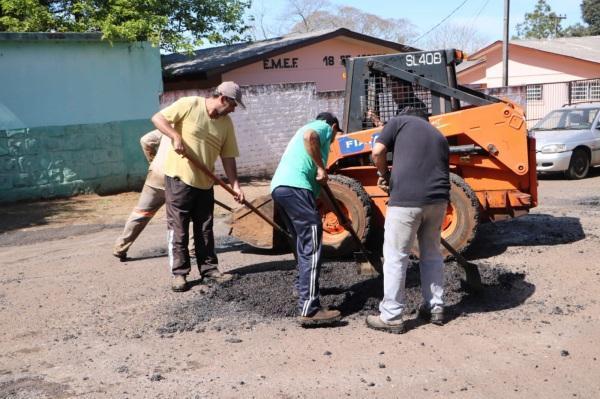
(329, 118)
(231, 90)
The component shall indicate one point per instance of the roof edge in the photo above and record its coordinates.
(66, 36)
(316, 39)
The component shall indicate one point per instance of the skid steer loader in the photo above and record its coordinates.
(492, 159)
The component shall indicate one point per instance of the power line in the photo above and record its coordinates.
(479, 12)
(441, 22)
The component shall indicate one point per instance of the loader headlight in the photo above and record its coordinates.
(552, 148)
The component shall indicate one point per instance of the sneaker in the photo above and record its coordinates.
(215, 275)
(179, 283)
(394, 327)
(320, 317)
(435, 315)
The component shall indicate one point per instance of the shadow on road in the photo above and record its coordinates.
(502, 290)
(530, 230)
(30, 214)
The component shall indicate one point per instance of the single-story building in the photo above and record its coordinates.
(72, 110)
(543, 74)
(533, 62)
(286, 81)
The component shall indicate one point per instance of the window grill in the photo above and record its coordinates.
(535, 92)
(588, 90)
(385, 96)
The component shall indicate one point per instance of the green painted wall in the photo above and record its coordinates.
(60, 161)
(72, 110)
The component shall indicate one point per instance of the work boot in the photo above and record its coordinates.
(394, 327)
(179, 283)
(435, 315)
(320, 317)
(216, 275)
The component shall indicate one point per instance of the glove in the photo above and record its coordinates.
(383, 184)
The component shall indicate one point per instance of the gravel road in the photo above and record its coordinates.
(76, 322)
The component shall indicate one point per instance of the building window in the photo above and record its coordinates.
(585, 90)
(534, 92)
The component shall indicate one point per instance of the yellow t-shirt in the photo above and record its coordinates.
(205, 139)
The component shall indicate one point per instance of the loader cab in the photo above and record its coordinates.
(383, 85)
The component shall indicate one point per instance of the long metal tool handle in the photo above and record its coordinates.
(221, 183)
(338, 212)
(461, 259)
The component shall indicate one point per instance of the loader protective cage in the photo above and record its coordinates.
(426, 81)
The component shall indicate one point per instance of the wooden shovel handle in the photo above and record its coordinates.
(221, 183)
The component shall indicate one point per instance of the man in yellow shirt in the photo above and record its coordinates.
(199, 128)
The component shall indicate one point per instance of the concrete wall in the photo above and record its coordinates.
(72, 110)
(60, 161)
(272, 116)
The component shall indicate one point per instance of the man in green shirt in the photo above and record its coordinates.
(294, 188)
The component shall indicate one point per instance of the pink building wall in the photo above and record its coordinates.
(319, 63)
(529, 66)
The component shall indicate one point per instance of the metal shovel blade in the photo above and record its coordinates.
(472, 276)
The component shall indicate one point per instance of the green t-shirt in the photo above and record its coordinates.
(296, 168)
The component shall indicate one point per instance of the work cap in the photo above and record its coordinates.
(231, 90)
(329, 118)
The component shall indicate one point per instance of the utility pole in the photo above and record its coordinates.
(557, 23)
(505, 44)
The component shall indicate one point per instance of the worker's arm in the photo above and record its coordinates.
(163, 125)
(230, 167)
(374, 118)
(379, 155)
(312, 144)
(150, 142)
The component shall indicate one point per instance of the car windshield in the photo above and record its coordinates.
(568, 119)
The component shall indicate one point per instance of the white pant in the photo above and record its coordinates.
(402, 224)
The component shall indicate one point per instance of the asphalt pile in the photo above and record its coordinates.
(267, 295)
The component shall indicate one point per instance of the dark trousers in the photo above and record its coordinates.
(184, 204)
(299, 213)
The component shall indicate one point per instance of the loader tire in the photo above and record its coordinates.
(355, 202)
(462, 216)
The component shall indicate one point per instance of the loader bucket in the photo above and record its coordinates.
(252, 229)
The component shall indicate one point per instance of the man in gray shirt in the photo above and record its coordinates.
(419, 187)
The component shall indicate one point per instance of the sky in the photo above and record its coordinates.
(486, 15)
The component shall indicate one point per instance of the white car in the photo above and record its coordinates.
(568, 140)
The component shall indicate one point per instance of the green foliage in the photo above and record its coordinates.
(540, 24)
(173, 24)
(590, 11)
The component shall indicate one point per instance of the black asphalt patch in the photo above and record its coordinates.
(263, 293)
(27, 237)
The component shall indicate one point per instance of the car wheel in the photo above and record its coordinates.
(579, 165)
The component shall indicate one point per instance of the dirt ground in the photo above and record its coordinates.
(76, 322)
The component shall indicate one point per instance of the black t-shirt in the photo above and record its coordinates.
(420, 171)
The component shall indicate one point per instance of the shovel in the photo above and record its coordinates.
(221, 183)
(472, 275)
(367, 263)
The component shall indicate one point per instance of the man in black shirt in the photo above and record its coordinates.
(419, 187)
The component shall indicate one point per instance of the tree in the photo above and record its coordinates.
(462, 37)
(172, 24)
(312, 15)
(590, 11)
(540, 24)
